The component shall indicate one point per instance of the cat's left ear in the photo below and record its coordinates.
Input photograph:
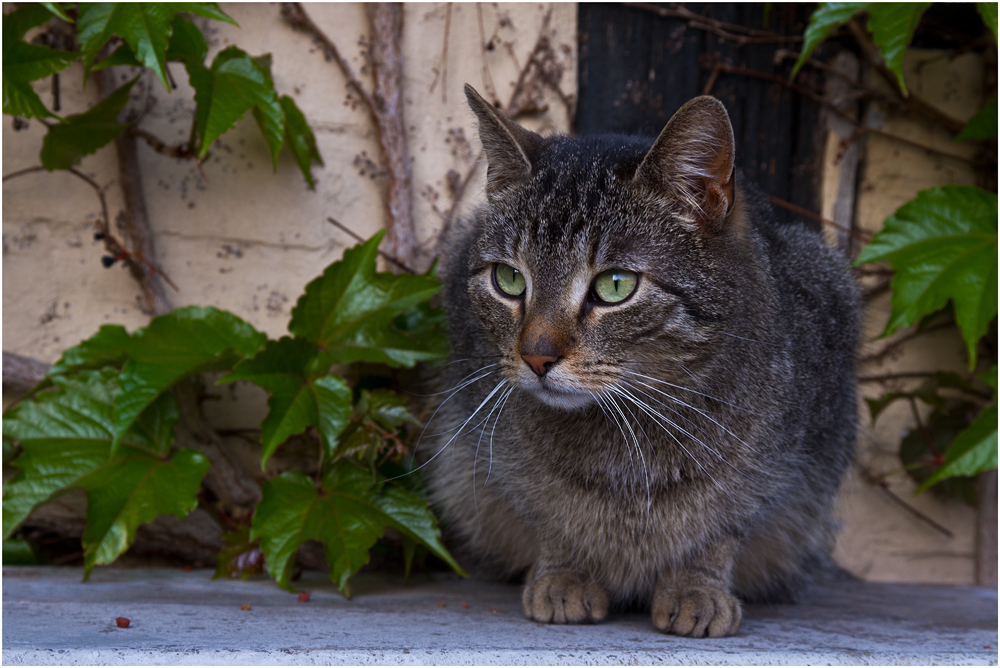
(692, 162)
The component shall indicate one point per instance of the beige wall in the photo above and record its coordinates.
(883, 541)
(237, 236)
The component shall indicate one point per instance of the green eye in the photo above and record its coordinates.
(509, 280)
(615, 285)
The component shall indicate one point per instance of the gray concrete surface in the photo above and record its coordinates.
(177, 617)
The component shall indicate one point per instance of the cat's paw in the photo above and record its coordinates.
(696, 611)
(563, 598)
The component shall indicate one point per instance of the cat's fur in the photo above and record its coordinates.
(685, 448)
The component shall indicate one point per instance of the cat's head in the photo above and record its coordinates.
(602, 258)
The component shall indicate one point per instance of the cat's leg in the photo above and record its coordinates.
(696, 600)
(555, 592)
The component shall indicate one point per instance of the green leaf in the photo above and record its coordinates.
(57, 10)
(982, 126)
(919, 449)
(988, 10)
(108, 347)
(235, 84)
(121, 56)
(146, 27)
(187, 42)
(828, 17)
(187, 341)
(892, 25)
(18, 553)
(347, 515)
(350, 309)
(24, 63)
(386, 408)
(300, 139)
(975, 449)
(132, 489)
(298, 400)
(79, 135)
(943, 245)
(20, 21)
(66, 432)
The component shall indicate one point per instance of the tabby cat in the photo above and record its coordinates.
(651, 396)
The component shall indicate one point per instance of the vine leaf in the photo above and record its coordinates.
(235, 84)
(348, 514)
(146, 27)
(24, 63)
(57, 10)
(351, 312)
(983, 125)
(298, 400)
(108, 347)
(300, 139)
(181, 343)
(79, 135)
(828, 17)
(975, 449)
(66, 433)
(131, 489)
(891, 23)
(943, 245)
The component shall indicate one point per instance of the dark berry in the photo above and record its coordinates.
(107, 261)
(98, 236)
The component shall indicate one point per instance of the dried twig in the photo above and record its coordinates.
(816, 97)
(812, 216)
(385, 107)
(736, 33)
(896, 343)
(297, 18)
(359, 238)
(878, 481)
(183, 151)
(21, 373)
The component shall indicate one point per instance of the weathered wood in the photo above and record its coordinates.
(637, 68)
(21, 373)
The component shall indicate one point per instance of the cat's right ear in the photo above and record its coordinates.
(692, 162)
(510, 149)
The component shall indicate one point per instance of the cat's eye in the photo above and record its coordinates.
(615, 285)
(508, 279)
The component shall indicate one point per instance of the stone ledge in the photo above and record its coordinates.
(177, 617)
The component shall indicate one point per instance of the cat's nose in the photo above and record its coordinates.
(540, 364)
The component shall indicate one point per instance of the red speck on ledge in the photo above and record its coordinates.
(304, 597)
(122, 622)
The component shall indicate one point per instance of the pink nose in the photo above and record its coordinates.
(539, 363)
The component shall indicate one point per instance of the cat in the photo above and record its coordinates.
(652, 389)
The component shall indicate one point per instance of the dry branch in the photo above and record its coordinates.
(384, 105)
(387, 65)
(21, 373)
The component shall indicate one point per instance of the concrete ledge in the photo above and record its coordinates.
(177, 617)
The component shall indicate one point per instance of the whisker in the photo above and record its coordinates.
(651, 413)
(686, 451)
(467, 420)
(506, 396)
(434, 394)
(699, 411)
(645, 467)
(702, 394)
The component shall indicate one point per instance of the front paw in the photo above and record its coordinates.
(564, 598)
(696, 611)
